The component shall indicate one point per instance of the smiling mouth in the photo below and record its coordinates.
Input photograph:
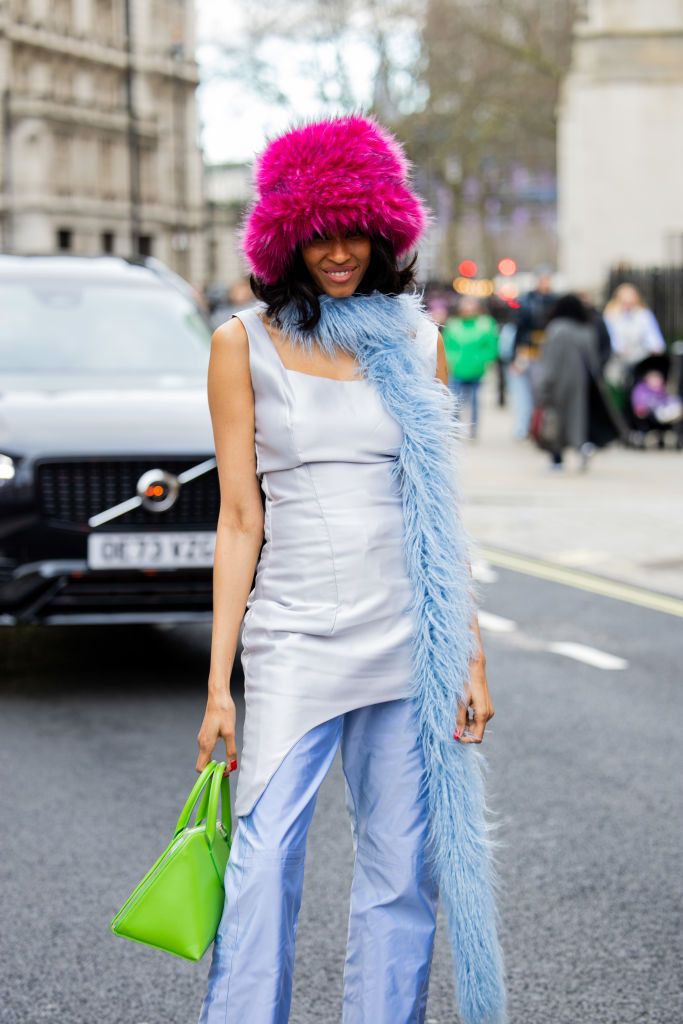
(340, 276)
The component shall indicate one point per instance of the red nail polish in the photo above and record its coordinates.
(456, 735)
(233, 766)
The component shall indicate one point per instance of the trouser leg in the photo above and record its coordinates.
(466, 392)
(526, 402)
(474, 392)
(250, 978)
(394, 893)
(521, 401)
(456, 387)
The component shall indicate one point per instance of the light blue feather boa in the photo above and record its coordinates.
(377, 330)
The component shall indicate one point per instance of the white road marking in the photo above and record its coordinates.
(588, 655)
(566, 648)
(496, 623)
(585, 581)
(578, 558)
(483, 572)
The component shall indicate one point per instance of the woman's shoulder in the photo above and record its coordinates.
(230, 343)
(237, 324)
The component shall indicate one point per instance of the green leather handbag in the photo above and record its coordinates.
(178, 904)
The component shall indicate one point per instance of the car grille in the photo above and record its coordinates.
(70, 491)
(122, 593)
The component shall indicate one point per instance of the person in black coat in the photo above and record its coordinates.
(569, 383)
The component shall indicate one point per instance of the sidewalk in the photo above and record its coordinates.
(622, 519)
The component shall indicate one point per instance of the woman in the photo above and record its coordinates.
(634, 332)
(360, 629)
(568, 383)
(471, 343)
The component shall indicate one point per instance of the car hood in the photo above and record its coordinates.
(157, 416)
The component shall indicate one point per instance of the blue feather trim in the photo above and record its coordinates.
(379, 330)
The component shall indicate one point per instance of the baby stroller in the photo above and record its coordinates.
(649, 412)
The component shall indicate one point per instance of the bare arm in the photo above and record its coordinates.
(441, 364)
(477, 691)
(239, 532)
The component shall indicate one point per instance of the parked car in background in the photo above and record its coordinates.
(109, 491)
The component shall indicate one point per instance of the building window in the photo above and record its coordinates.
(108, 238)
(64, 239)
(22, 74)
(61, 15)
(107, 21)
(148, 176)
(105, 162)
(145, 245)
(62, 176)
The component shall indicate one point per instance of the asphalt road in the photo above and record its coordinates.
(97, 750)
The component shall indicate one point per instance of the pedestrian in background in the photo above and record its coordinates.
(533, 314)
(604, 341)
(568, 385)
(471, 343)
(634, 333)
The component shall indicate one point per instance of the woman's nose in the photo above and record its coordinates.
(339, 249)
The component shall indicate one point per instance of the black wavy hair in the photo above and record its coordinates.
(569, 307)
(383, 275)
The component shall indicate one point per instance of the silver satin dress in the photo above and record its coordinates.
(327, 627)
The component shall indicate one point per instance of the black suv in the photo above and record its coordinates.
(109, 492)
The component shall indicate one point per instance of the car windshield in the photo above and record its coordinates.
(81, 328)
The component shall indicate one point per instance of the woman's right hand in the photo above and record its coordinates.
(219, 721)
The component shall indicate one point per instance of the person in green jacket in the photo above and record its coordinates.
(471, 343)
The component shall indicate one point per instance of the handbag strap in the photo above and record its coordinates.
(220, 787)
(210, 785)
(192, 798)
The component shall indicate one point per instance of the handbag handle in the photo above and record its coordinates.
(192, 798)
(210, 784)
(220, 786)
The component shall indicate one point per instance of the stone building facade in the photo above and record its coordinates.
(99, 150)
(228, 190)
(620, 141)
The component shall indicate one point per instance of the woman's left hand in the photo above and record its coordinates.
(477, 697)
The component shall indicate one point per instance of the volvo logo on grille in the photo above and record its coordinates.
(158, 490)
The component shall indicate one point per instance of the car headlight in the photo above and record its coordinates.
(6, 468)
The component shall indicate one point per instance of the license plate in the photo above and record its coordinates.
(191, 550)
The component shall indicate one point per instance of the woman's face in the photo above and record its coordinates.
(628, 296)
(337, 263)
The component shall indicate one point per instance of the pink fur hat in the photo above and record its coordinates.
(332, 175)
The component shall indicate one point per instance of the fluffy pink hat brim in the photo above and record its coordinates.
(330, 176)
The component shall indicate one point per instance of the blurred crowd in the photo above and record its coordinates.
(574, 377)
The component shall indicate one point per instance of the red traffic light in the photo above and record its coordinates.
(507, 267)
(468, 268)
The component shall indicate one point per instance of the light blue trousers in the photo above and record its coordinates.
(394, 893)
(521, 397)
(468, 391)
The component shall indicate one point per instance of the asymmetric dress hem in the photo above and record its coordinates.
(328, 626)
